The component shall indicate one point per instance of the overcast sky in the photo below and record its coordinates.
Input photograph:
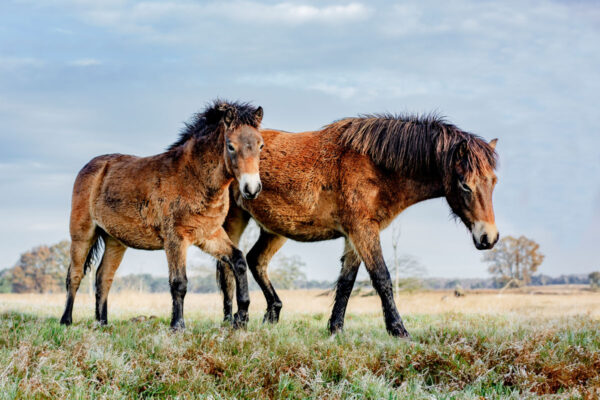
(79, 78)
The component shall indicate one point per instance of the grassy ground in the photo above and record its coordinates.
(484, 345)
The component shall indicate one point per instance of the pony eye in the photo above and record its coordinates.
(261, 146)
(230, 148)
(464, 187)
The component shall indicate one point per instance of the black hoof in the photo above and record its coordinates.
(228, 319)
(178, 325)
(271, 316)
(398, 330)
(335, 328)
(240, 320)
(66, 320)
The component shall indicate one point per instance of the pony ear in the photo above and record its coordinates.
(258, 115)
(492, 143)
(228, 117)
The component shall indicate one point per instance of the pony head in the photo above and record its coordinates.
(469, 189)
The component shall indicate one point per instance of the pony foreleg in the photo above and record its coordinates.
(345, 283)
(366, 242)
(221, 247)
(176, 256)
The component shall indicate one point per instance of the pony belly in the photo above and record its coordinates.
(133, 233)
(142, 238)
(313, 236)
(301, 231)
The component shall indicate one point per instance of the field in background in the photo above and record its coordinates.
(511, 344)
(530, 301)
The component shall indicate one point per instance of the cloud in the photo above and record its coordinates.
(11, 63)
(283, 13)
(85, 62)
(185, 21)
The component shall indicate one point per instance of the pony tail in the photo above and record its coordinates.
(95, 253)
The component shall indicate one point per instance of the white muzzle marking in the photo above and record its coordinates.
(481, 227)
(250, 183)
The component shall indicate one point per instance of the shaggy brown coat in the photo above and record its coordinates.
(351, 179)
(168, 201)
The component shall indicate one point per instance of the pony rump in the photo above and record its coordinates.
(208, 121)
(412, 144)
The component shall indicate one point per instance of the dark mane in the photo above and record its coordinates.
(413, 144)
(207, 121)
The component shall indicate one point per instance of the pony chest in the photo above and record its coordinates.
(200, 219)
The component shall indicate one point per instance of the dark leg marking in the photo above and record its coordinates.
(178, 291)
(226, 280)
(239, 266)
(344, 285)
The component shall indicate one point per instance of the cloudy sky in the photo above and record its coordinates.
(80, 78)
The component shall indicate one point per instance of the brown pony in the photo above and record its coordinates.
(168, 201)
(351, 179)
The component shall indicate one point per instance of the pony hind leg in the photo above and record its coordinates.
(258, 261)
(366, 241)
(345, 283)
(113, 254)
(226, 282)
(82, 255)
(176, 256)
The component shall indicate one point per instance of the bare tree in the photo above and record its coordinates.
(594, 279)
(396, 261)
(288, 273)
(514, 260)
(407, 270)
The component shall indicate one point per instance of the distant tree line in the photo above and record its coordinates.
(493, 283)
(43, 269)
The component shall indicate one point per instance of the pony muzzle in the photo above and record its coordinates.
(250, 185)
(485, 235)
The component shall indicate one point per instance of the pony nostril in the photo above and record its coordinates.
(250, 194)
(484, 240)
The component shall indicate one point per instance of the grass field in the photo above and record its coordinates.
(490, 345)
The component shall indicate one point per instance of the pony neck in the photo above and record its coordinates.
(404, 191)
(206, 154)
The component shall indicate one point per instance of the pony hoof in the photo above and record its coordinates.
(271, 317)
(228, 320)
(66, 321)
(335, 329)
(240, 321)
(178, 326)
(399, 331)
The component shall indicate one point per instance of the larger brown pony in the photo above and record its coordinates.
(168, 201)
(351, 179)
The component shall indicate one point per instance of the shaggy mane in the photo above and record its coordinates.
(413, 144)
(207, 121)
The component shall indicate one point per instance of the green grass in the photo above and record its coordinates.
(450, 356)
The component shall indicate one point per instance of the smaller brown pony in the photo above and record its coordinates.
(168, 201)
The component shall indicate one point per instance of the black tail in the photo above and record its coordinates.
(96, 251)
